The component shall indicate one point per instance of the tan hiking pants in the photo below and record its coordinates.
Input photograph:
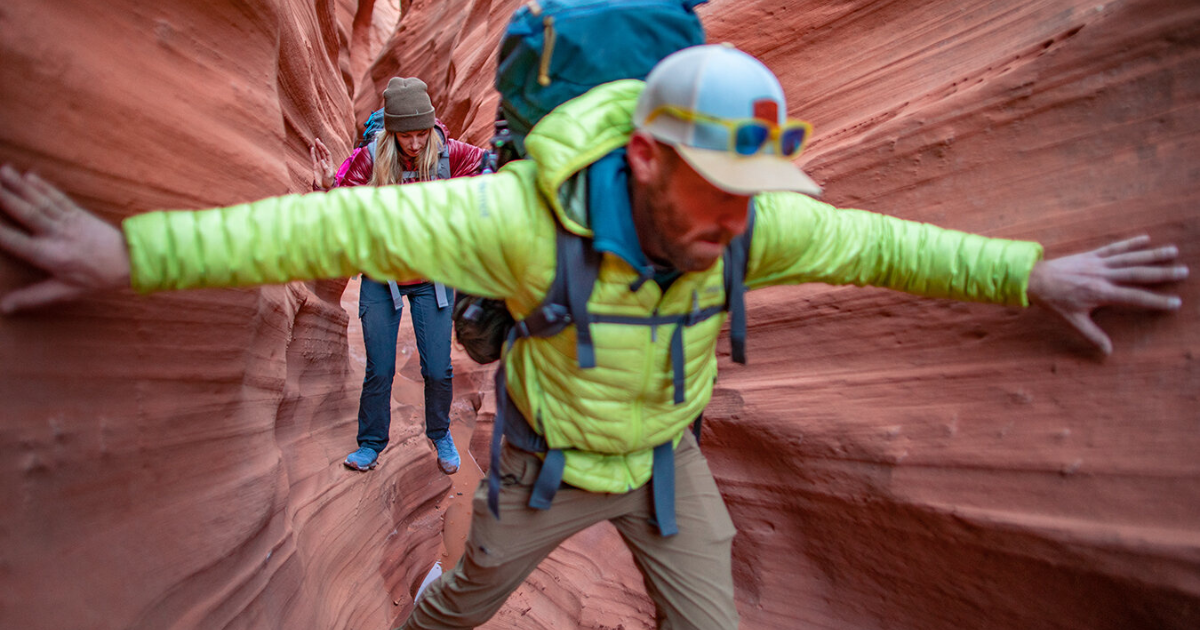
(688, 576)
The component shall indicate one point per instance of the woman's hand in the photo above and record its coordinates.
(324, 175)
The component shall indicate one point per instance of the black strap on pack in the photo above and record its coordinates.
(737, 256)
(577, 267)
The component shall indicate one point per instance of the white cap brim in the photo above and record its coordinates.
(748, 174)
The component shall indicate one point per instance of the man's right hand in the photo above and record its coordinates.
(79, 251)
(324, 175)
(1117, 274)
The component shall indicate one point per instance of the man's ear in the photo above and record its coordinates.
(644, 156)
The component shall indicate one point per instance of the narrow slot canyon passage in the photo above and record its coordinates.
(174, 460)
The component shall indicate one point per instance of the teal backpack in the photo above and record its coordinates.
(371, 127)
(555, 50)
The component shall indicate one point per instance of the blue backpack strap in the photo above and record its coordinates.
(679, 322)
(662, 488)
(579, 263)
(441, 295)
(548, 480)
(663, 474)
(443, 169)
(555, 312)
(677, 363)
(511, 424)
(736, 257)
(502, 404)
(578, 266)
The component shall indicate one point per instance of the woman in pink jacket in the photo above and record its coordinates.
(411, 147)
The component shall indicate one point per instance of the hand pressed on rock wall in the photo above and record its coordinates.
(324, 174)
(81, 252)
(1073, 286)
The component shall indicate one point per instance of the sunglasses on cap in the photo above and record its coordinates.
(748, 136)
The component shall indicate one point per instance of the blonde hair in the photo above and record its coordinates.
(389, 168)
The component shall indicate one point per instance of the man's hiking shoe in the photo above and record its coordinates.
(447, 455)
(363, 459)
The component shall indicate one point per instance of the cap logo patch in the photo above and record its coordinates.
(767, 110)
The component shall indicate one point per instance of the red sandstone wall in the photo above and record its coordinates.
(955, 466)
(451, 46)
(173, 461)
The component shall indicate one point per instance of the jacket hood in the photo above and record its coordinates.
(576, 134)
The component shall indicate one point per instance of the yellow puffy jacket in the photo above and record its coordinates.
(494, 235)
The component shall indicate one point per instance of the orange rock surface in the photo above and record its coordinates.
(174, 461)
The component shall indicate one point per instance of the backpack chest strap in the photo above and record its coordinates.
(678, 362)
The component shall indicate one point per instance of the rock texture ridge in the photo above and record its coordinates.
(173, 461)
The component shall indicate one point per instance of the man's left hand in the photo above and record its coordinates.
(1114, 275)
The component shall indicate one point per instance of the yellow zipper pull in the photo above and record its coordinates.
(547, 51)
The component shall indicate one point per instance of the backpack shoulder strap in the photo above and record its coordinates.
(580, 264)
(443, 169)
(736, 257)
(577, 265)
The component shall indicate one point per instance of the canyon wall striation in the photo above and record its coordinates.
(173, 461)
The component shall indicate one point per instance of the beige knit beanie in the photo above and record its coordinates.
(406, 105)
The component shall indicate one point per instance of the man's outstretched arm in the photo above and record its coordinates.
(448, 231)
(1072, 287)
(809, 241)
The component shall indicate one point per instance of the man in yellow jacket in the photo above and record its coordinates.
(659, 176)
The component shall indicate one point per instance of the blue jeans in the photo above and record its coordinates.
(381, 322)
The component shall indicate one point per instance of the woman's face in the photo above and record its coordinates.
(411, 142)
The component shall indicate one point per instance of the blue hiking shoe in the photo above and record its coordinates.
(363, 459)
(447, 455)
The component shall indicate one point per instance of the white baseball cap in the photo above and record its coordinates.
(723, 83)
